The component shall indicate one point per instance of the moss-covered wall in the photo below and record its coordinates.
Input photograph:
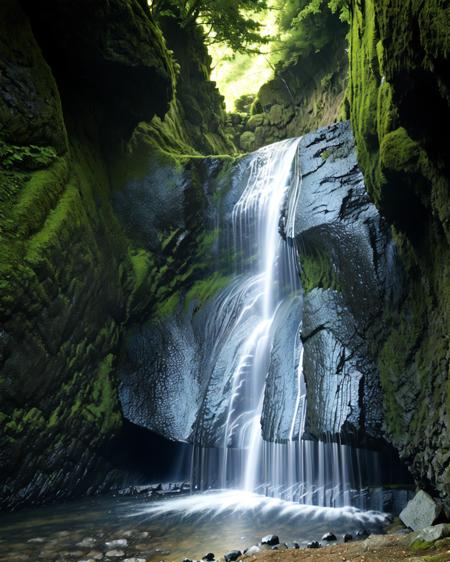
(75, 84)
(398, 102)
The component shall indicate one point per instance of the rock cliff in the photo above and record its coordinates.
(76, 83)
(350, 274)
(398, 102)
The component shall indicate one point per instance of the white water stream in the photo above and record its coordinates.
(265, 286)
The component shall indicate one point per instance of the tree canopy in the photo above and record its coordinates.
(231, 22)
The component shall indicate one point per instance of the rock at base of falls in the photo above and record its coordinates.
(422, 511)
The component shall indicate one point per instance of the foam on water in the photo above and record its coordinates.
(231, 502)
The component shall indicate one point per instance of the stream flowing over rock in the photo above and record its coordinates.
(179, 373)
(173, 378)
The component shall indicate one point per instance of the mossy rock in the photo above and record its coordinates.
(398, 152)
(247, 141)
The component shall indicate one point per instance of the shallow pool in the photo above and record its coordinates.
(169, 529)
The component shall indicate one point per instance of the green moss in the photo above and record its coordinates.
(54, 418)
(141, 262)
(204, 289)
(399, 152)
(420, 545)
(318, 271)
(105, 402)
(168, 306)
(30, 157)
(442, 557)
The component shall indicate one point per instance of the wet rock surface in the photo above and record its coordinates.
(349, 272)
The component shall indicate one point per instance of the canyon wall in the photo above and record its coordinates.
(398, 102)
(82, 92)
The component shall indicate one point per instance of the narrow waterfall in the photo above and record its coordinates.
(251, 312)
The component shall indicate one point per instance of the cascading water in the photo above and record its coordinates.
(252, 311)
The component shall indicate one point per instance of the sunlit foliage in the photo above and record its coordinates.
(234, 23)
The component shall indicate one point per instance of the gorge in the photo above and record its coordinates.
(252, 304)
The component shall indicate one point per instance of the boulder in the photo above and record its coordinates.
(276, 115)
(252, 550)
(328, 537)
(313, 544)
(247, 141)
(209, 557)
(422, 511)
(255, 121)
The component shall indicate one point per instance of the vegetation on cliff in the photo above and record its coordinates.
(398, 101)
(70, 275)
(100, 108)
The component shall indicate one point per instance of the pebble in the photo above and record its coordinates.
(135, 560)
(36, 540)
(252, 550)
(88, 542)
(117, 542)
(232, 555)
(313, 544)
(280, 547)
(116, 553)
(95, 555)
(271, 540)
(144, 535)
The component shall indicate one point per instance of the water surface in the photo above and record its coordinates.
(171, 529)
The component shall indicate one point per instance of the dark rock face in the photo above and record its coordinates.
(399, 105)
(111, 69)
(71, 278)
(349, 273)
(166, 404)
(166, 353)
(30, 107)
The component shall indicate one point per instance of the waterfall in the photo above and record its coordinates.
(242, 324)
